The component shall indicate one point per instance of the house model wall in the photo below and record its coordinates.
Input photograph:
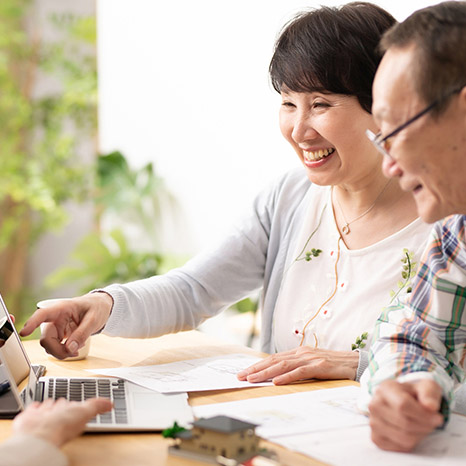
(220, 435)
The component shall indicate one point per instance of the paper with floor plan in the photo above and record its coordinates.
(353, 447)
(214, 373)
(294, 413)
(326, 425)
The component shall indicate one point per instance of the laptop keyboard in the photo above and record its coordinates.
(81, 389)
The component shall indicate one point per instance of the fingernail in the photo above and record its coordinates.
(242, 373)
(73, 347)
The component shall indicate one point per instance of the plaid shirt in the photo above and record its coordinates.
(425, 337)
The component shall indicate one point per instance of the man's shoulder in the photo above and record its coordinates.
(452, 229)
(450, 240)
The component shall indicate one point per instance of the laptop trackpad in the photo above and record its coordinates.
(150, 407)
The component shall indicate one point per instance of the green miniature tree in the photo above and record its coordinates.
(172, 431)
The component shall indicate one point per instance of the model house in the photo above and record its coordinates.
(218, 436)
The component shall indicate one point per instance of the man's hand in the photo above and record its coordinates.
(402, 414)
(303, 363)
(70, 323)
(59, 421)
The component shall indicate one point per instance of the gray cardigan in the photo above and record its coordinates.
(252, 257)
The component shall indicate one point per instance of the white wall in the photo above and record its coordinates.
(184, 84)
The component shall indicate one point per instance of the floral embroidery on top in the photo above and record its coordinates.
(314, 252)
(407, 273)
(308, 255)
(359, 343)
(326, 314)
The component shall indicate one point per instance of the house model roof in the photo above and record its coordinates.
(223, 424)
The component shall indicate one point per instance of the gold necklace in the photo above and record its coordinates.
(346, 229)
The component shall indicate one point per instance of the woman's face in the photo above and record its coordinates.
(327, 131)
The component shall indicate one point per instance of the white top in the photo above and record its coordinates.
(340, 292)
(251, 257)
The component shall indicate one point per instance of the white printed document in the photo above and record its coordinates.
(353, 447)
(327, 425)
(294, 413)
(214, 373)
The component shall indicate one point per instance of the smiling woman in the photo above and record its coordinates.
(337, 118)
(327, 243)
(324, 309)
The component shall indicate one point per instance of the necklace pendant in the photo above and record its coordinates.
(346, 229)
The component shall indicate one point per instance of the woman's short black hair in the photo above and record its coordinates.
(332, 50)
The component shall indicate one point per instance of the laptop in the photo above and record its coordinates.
(135, 408)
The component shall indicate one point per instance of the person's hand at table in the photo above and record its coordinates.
(402, 414)
(57, 422)
(303, 363)
(68, 324)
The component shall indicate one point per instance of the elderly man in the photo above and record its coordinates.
(420, 106)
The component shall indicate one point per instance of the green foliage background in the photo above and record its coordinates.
(137, 197)
(38, 166)
(40, 130)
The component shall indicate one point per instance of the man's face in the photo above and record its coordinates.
(428, 156)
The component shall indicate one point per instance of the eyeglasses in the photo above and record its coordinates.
(383, 143)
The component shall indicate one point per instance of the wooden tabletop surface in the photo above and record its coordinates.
(140, 449)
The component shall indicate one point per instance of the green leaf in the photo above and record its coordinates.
(172, 431)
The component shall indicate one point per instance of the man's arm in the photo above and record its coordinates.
(421, 343)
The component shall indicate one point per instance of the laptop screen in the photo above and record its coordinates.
(15, 363)
(6, 330)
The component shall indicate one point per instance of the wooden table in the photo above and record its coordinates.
(140, 449)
